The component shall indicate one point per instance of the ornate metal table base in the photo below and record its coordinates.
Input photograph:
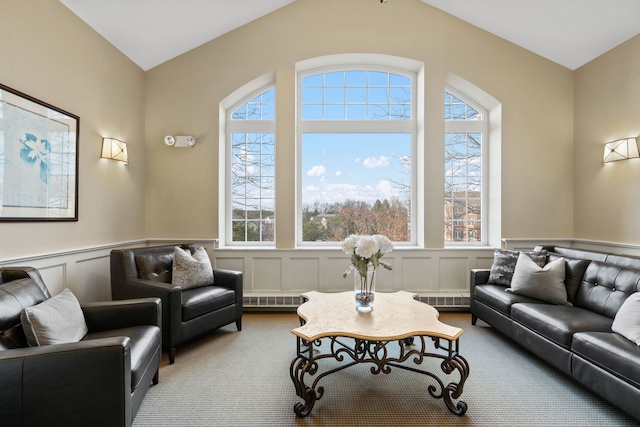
(379, 354)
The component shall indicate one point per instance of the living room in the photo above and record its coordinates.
(547, 184)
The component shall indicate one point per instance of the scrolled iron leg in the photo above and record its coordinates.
(299, 366)
(454, 390)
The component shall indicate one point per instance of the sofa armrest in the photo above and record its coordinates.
(478, 276)
(84, 383)
(102, 316)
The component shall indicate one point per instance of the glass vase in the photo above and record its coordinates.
(364, 288)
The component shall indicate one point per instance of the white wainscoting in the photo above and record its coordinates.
(86, 271)
(275, 278)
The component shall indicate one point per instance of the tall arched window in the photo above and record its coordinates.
(465, 130)
(251, 170)
(357, 133)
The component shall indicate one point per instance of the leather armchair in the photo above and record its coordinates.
(145, 272)
(98, 381)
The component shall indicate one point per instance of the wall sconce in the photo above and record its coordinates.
(620, 150)
(114, 150)
(179, 141)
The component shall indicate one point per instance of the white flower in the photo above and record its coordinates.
(367, 247)
(384, 244)
(349, 244)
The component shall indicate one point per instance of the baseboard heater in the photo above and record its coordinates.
(274, 302)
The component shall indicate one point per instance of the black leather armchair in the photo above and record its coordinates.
(99, 381)
(144, 272)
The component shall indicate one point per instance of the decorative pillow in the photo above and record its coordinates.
(191, 271)
(627, 320)
(543, 283)
(54, 321)
(504, 264)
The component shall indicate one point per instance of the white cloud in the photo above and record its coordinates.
(356, 160)
(317, 170)
(372, 162)
(338, 173)
(385, 189)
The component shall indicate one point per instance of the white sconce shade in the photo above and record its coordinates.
(620, 150)
(114, 150)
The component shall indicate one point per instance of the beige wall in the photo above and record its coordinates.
(607, 107)
(182, 97)
(49, 53)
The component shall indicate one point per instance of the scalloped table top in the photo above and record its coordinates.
(395, 316)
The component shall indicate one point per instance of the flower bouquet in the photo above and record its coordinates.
(365, 252)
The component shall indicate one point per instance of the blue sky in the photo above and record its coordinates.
(337, 167)
(357, 166)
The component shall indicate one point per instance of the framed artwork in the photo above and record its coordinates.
(38, 160)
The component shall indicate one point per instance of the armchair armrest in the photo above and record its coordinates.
(84, 383)
(102, 316)
(231, 279)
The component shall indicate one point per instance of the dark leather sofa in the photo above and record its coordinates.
(147, 271)
(99, 381)
(576, 339)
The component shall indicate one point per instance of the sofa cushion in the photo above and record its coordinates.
(504, 264)
(611, 352)
(627, 320)
(198, 301)
(191, 271)
(495, 297)
(54, 321)
(155, 266)
(558, 323)
(143, 340)
(544, 283)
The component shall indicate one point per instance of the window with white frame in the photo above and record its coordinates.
(356, 142)
(465, 130)
(251, 170)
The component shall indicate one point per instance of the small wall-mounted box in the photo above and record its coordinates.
(180, 141)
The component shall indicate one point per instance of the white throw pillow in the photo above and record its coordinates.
(57, 320)
(543, 283)
(191, 271)
(627, 320)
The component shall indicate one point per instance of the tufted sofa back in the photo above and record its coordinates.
(608, 279)
(604, 287)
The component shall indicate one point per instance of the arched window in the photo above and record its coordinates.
(356, 142)
(465, 133)
(251, 170)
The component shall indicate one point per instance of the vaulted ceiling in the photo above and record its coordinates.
(568, 32)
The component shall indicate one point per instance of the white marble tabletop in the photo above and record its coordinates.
(395, 316)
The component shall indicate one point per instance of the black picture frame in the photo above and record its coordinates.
(38, 159)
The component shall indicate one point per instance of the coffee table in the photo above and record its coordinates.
(398, 329)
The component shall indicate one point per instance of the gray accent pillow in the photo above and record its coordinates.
(57, 320)
(627, 320)
(504, 264)
(191, 271)
(543, 283)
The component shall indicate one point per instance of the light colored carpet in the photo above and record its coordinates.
(230, 378)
